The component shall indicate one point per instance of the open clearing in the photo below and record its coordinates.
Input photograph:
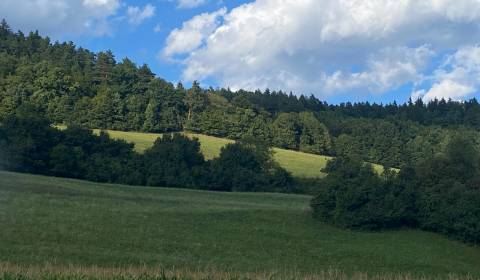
(70, 222)
(300, 164)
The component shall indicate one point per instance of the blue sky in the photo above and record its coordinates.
(143, 43)
(338, 50)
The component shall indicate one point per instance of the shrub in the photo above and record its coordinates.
(174, 161)
(353, 196)
(439, 194)
(248, 166)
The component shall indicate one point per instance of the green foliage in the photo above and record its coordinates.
(196, 100)
(439, 194)
(450, 193)
(314, 137)
(28, 143)
(107, 109)
(300, 165)
(72, 85)
(26, 139)
(302, 132)
(248, 166)
(174, 160)
(353, 196)
(286, 131)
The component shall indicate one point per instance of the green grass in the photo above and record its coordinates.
(298, 163)
(69, 222)
(210, 145)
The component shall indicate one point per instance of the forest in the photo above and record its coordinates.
(74, 86)
(44, 83)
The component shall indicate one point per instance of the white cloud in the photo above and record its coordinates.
(387, 69)
(193, 33)
(137, 15)
(191, 3)
(448, 89)
(323, 46)
(60, 17)
(457, 78)
(157, 28)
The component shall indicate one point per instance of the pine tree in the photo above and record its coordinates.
(196, 100)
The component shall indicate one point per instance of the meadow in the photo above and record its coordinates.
(300, 164)
(83, 227)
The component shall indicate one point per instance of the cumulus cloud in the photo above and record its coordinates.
(457, 77)
(75, 17)
(447, 89)
(324, 46)
(137, 15)
(190, 3)
(193, 33)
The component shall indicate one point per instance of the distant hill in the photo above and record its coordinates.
(73, 85)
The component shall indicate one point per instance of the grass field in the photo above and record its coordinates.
(71, 223)
(298, 163)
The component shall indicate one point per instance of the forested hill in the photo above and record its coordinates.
(73, 85)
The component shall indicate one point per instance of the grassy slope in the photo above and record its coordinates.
(299, 164)
(64, 221)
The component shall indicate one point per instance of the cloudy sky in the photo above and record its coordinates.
(338, 50)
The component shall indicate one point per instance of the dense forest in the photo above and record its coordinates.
(74, 86)
(435, 144)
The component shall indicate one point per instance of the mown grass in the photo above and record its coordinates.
(64, 222)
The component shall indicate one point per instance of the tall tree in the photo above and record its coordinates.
(195, 99)
(104, 64)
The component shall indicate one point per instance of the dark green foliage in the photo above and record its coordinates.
(29, 144)
(175, 160)
(354, 196)
(72, 85)
(314, 137)
(302, 132)
(439, 194)
(248, 166)
(196, 100)
(286, 130)
(26, 139)
(230, 122)
(450, 192)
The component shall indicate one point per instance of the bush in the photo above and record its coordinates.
(174, 161)
(248, 166)
(440, 194)
(449, 199)
(354, 196)
(26, 139)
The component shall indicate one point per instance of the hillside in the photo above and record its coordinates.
(69, 84)
(63, 222)
(298, 163)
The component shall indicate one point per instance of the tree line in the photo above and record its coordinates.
(77, 87)
(29, 143)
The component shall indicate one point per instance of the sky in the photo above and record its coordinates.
(337, 50)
